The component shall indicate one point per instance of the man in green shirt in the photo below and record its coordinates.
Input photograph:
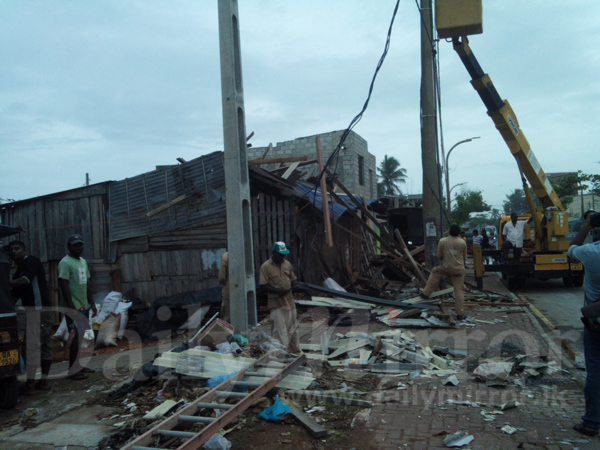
(73, 279)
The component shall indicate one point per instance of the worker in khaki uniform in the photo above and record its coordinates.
(452, 250)
(224, 281)
(278, 279)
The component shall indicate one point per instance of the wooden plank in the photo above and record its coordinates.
(289, 221)
(97, 233)
(324, 196)
(290, 170)
(300, 164)
(307, 422)
(255, 229)
(278, 160)
(366, 227)
(418, 250)
(383, 229)
(280, 221)
(267, 151)
(315, 396)
(166, 205)
(416, 267)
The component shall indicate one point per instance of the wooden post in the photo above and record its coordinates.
(324, 195)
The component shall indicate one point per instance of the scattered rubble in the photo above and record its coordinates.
(458, 439)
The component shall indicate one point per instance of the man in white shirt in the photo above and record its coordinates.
(513, 232)
(477, 238)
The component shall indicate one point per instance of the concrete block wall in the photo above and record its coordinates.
(347, 167)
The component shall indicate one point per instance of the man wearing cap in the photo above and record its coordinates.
(278, 279)
(73, 279)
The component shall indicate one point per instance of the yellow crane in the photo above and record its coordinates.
(547, 258)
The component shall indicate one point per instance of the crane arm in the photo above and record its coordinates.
(507, 124)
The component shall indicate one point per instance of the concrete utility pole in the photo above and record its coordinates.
(237, 182)
(431, 174)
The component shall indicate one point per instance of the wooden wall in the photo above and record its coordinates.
(168, 263)
(316, 261)
(48, 221)
(273, 219)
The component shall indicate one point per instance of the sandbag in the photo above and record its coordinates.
(123, 310)
(109, 305)
(109, 329)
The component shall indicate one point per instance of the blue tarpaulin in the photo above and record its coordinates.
(335, 209)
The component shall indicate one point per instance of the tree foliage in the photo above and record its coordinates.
(567, 186)
(594, 184)
(390, 175)
(467, 202)
(516, 201)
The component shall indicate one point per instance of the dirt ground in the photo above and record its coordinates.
(250, 432)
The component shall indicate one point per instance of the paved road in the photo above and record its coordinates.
(560, 305)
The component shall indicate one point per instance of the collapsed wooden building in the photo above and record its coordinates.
(163, 232)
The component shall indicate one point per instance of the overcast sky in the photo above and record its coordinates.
(115, 88)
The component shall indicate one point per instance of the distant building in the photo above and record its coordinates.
(355, 168)
(583, 203)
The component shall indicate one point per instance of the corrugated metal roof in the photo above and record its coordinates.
(202, 180)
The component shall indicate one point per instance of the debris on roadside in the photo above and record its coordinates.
(458, 439)
(508, 429)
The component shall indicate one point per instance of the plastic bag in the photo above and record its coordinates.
(330, 283)
(215, 381)
(109, 329)
(123, 310)
(63, 331)
(224, 347)
(275, 412)
(88, 338)
(217, 442)
(240, 340)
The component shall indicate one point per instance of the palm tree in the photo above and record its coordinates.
(390, 175)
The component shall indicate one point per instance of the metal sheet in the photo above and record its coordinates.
(131, 199)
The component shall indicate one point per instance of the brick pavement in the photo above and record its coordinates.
(420, 417)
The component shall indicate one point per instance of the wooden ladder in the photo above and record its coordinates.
(190, 414)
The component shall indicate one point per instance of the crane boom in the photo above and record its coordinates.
(548, 258)
(507, 124)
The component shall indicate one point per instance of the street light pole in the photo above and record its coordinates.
(455, 186)
(447, 173)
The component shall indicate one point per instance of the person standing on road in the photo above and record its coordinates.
(513, 231)
(452, 250)
(29, 284)
(589, 256)
(477, 238)
(485, 240)
(224, 281)
(73, 279)
(278, 279)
